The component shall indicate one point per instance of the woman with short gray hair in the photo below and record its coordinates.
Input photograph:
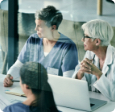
(98, 65)
(55, 51)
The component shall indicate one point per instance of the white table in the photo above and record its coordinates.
(109, 107)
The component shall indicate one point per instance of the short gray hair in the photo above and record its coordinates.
(50, 15)
(99, 29)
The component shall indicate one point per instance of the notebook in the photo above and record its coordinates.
(16, 91)
(73, 93)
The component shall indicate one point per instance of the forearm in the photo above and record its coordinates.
(79, 75)
(68, 73)
(14, 69)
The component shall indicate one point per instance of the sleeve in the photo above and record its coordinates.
(70, 60)
(78, 66)
(106, 87)
(24, 54)
(76, 70)
(14, 69)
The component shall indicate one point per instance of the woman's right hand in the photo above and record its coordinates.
(8, 81)
(84, 68)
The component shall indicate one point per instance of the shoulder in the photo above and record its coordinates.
(66, 43)
(113, 50)
(113, 53)
(17, 107)
(33, 39)
(65, 39)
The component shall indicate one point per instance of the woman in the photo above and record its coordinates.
(33, 81)
(56, 52)
(98, 65)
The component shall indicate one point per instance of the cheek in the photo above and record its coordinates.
(87, 45)
(22, 87)
(42, 31)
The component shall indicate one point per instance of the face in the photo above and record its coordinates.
(24, 88)
(89, 44)
(43, 31)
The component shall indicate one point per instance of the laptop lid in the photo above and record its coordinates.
(70, 92)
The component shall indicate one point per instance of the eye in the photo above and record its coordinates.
(86, 37)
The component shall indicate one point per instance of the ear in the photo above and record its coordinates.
(26, 86)
(54, 27)
(98, 41)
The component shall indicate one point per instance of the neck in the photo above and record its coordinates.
(101, 52)
(53, 40)
(29, 100)
(54, 36)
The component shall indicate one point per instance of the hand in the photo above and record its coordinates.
(8, 81)
(93, 69)
(85, 67)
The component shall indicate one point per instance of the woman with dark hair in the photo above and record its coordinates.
(33, 81)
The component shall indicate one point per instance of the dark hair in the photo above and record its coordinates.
(35, 76)
(50, 15)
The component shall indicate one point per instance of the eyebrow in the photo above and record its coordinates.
(85, 34)
(38, 25)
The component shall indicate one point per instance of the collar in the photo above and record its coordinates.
(109, 55)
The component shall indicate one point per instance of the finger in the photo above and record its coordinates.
(7, 81)
(88, 61)
(5, 84)
(83, 69)
(83, 61)
(11, 77)
(86, 65)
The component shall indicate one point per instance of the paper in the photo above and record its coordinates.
(3, 102)
(16, 91)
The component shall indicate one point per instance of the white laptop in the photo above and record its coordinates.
(73, 93)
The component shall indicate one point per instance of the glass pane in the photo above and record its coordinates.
(3, 37)
(74, 15)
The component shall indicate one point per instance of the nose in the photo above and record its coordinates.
(82, 39)
(36, 28)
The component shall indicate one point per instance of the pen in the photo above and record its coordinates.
(15, 81)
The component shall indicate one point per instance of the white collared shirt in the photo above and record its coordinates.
(106, 83)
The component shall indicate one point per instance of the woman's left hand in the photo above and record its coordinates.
(94, 69)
